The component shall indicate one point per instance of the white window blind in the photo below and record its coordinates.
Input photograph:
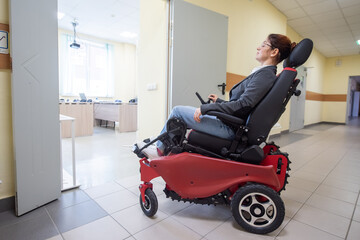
(88, 69)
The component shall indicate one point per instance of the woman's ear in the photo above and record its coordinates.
(274, 52)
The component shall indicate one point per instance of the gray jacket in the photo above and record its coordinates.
(245, 95)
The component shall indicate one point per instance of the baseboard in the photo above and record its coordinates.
(324, 122)
(7, 204)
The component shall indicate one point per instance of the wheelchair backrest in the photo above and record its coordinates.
(270, 108)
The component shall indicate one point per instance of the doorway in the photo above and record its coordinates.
(103, 147)
(297, 109)
(353, 101)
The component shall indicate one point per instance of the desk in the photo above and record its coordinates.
(64, 184)
(83, 113)
(124, 113)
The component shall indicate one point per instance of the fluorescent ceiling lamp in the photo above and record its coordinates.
(358, 42)
(128, 34)
(60, 15)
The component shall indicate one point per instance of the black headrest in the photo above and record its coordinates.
(299, 54)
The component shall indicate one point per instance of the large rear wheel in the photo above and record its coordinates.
(257, 208)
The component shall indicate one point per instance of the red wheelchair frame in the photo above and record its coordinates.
(206, 180)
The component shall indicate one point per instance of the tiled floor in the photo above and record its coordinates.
(321, 199)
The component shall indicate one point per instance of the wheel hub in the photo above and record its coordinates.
(257, 210)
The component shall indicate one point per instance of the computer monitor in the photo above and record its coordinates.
(82, 97)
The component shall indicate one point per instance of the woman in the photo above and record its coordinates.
(243, 96)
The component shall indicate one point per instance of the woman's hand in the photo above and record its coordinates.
(197, 115)
(213, 97)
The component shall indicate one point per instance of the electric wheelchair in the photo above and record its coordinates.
(246, 173)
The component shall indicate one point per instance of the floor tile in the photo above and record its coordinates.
(280, 228)
(134, 190)
(104, 228)
(230, 230)
(356, 216)
(332, 205)
(354, 232)
(9, 217)
(345, 177)
(39, 227)
(203, 218)
(130, 238)
(320, 127)
(130, 181)
(134, 220)
(296, 194)
(295, 230)
(168, 229)
(103, 189)
(337, 193)
(284, 140)
(323, 220)
(117, 201)
(339, 183)
(76, 216)
(57, 237)
(300, 183)
(291, 206)
(319, 177)
(169, 206)
(68, 198)
(106, 148)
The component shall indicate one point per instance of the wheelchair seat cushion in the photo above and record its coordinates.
(208, 142)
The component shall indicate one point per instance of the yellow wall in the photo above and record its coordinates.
(336, 81)
(124, 68)
(152, 54)
(7, 187)
(245, 33)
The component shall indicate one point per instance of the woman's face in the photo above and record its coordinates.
(264, 51)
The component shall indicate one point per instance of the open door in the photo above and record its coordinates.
(198, 53)
(35, 109)
(297, 109)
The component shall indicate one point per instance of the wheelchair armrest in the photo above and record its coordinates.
(227, 119)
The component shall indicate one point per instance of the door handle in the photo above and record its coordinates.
(223, 85)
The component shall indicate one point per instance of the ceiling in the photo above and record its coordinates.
(333, 25)
(116, 20)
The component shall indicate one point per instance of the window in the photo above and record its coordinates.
(88, 69)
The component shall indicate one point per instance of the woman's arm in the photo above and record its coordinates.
(257, 88)
(215, 98)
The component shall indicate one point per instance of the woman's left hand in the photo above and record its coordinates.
(197, 115)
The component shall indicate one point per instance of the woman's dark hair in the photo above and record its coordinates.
(283, 43)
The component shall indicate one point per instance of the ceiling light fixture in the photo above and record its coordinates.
(75, 44)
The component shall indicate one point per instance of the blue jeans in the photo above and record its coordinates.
(208, 124)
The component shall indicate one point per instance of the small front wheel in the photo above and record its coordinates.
(257, 208)
(150, 206)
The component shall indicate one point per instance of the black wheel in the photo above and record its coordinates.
(150, 206)
(257, 208)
